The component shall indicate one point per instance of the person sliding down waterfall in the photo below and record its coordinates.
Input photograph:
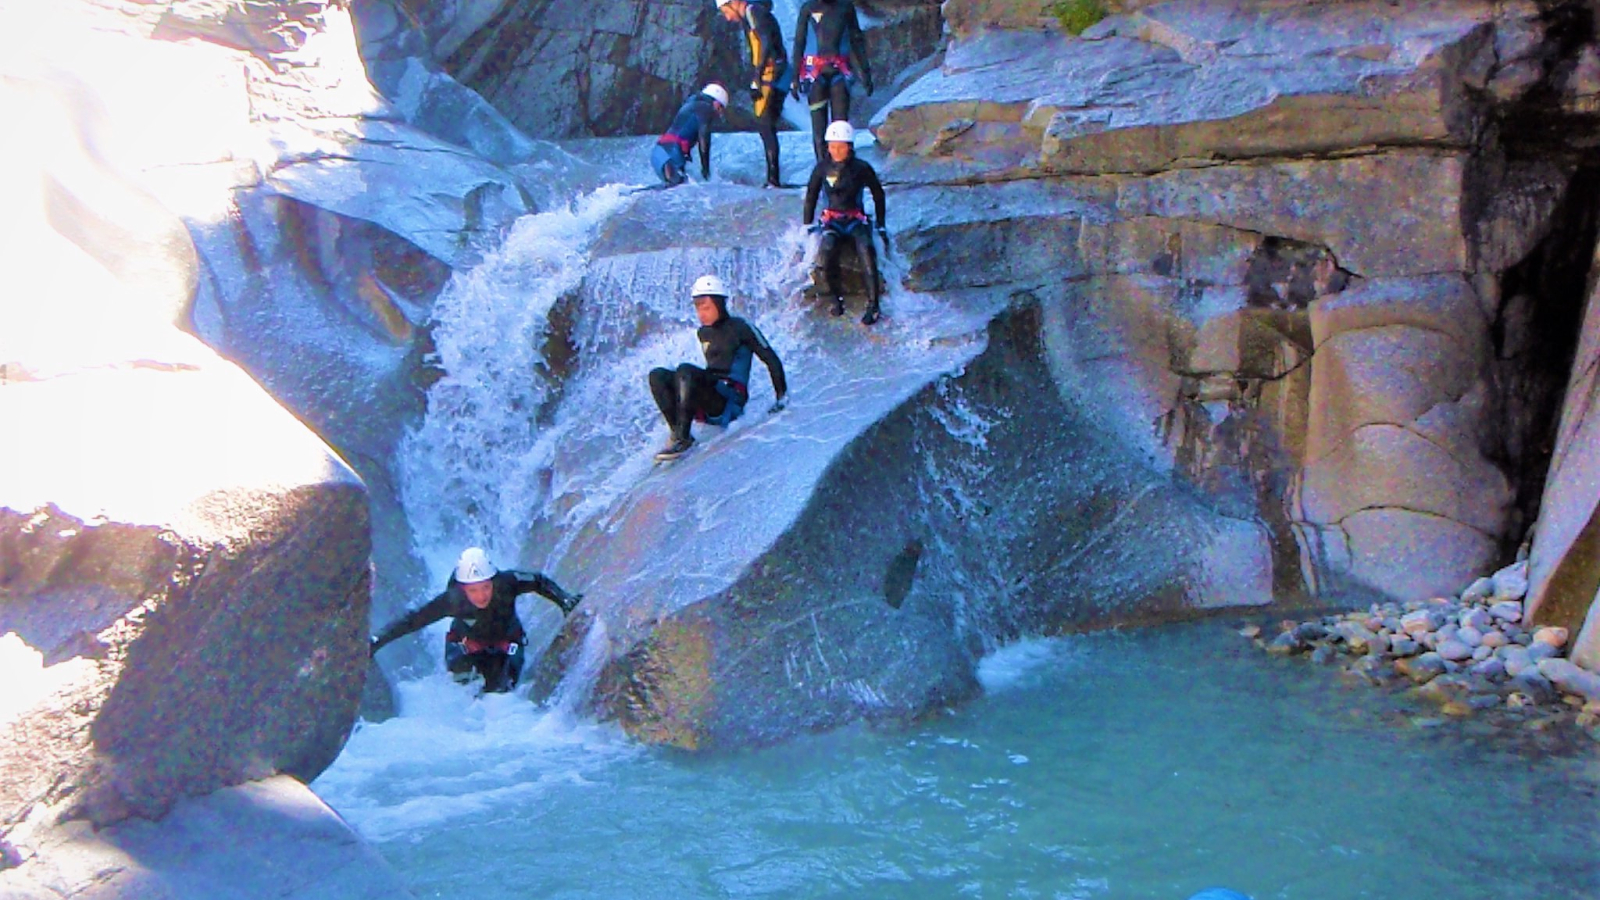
(486, 636)
(769, 83)
(843, 220)
(691, 127)
(831, 53)
(716, 394)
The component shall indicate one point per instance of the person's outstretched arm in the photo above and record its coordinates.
(757, 342)
(813, 189)
(546, 587)
(413, 621)
(876, 187)
(704, 114)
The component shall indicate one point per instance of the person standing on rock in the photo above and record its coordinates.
(486, 636)
(830, 52)
(716, 394)
(769, 83)
(845, 176)
(691, 127)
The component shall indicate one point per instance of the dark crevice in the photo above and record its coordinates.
(1535, 338)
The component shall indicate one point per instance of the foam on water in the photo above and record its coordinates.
(452, 756)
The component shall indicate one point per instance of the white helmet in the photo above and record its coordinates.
(708, 286)
(716, 92)
(474, 566)
(720, 3)
(839, 131)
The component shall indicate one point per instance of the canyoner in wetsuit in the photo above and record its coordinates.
(486, 636)
(830, 53)
(770, 80)
(718, 393)
(690, 128)
(844, 176)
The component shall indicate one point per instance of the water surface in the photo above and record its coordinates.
(1140, 765)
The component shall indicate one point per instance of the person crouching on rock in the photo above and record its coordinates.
(844, 221)
(716, 394)
(486, 636)
(691, 127)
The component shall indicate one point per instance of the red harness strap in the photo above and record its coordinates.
(830, 216)
(812, 66)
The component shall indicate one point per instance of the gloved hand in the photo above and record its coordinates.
(372, 646)
(755, 90)
(571, 603)
(794, 91)
(778, 405)
(866, 82)
(814, 228)
(883, 232)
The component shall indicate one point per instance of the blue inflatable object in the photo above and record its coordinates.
(1219, 894)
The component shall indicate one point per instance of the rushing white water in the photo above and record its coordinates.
(470, 475)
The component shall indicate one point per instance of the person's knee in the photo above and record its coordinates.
(660, 378)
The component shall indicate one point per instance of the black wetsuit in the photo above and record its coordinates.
(481, 639)
(690, 128)
(716, 394)
(830, 52)
(844, 218)
(769, 83)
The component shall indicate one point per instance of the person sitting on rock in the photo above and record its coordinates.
(716, 394)
(769, 83)
(486, 636)
(845, 176)
(831, 53)
(691, 127)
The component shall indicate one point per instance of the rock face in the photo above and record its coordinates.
(557, 70)
(1279, 255)
(1564, 568)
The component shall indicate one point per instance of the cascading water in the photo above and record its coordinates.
(470, 475)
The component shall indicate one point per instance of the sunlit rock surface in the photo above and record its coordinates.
(270, 838)
(184, 566)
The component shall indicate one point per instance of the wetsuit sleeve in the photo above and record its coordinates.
(770, 36)
(813, 189)
(800, 27)
(706, 116)
(757, 342)
(545, 586)
(857, 44)
(870, 175)
(416, 620)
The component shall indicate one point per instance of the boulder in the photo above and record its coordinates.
(197, 589)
